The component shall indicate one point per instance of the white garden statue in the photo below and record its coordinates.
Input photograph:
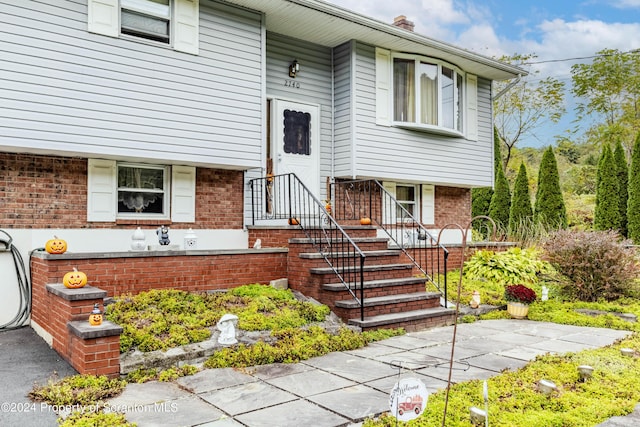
(227, 326)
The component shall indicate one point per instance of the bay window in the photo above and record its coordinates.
(427, 93)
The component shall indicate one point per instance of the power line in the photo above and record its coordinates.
(579, 57)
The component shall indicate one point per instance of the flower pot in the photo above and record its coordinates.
(517, 310)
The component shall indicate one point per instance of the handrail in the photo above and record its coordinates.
(285, 199)
(352, 200)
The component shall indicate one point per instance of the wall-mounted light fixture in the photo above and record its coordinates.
(294, 68)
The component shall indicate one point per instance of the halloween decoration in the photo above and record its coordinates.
(74, 279)
(294, 221)
(227, 327)
(95, 318)
(163, 235)
(138, 242)
(56, 246)
(365, 220)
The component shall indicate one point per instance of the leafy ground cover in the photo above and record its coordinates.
(514, 399)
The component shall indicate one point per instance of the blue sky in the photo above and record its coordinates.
(553, 30)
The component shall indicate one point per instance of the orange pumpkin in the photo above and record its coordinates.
(74, 279)
(56, 246)
(294, 221)
(95, 318)
(365, 221)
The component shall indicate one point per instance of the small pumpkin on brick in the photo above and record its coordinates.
(74, 279)
(56, 245)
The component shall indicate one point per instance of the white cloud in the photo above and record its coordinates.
(626, 4)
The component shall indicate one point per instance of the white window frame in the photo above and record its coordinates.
(385, 102)
(413, 203)
(417, 59)
(103, 17)
(146, 8)
(102, 193)
(166, 191)
(424, 203)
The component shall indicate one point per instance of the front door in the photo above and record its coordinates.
(296, 142)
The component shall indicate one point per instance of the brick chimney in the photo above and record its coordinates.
(402, 22)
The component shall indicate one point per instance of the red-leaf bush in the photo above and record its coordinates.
(592, 264)
(519, 293)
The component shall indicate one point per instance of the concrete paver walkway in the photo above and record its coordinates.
(338, 389)
(343, 388)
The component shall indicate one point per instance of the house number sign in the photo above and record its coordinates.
(292, 83)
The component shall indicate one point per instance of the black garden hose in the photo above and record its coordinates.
(24, 285)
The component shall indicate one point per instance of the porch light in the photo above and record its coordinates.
(294, 68)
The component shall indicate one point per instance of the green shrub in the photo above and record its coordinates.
(592, 264)
(509, 267)
(95, 419)
(161, 319)
(294, 345)
(77, 390)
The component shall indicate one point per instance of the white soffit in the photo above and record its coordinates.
(328, 25)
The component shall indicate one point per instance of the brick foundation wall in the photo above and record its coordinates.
(452, 206)
(132, 274)
(51, 192)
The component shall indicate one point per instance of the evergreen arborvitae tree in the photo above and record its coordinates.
(521, 211)
(633, 206)
(549, 209)
(500, 202)
(607, 213)
(623, 185)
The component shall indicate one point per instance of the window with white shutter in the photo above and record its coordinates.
(172, 22)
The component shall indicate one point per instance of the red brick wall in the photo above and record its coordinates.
(188, 273)
(452, 206)
(51, 192)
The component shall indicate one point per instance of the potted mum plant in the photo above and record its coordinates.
(518, 299)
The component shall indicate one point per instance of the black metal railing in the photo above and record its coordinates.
(352, 200)
(284, 199)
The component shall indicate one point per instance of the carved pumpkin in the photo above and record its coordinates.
(365, 221)
(74, 279)
(56, 246)
(294, 221)
(95, 318)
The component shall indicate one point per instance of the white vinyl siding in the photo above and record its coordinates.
(104, 18)
(103, 195)
(406, 155)
(76, 93)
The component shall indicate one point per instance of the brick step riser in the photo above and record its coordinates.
(417, 325)
(368, 276)
(351, 313)
(364, 246)
(379, 292)
(369, 261)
